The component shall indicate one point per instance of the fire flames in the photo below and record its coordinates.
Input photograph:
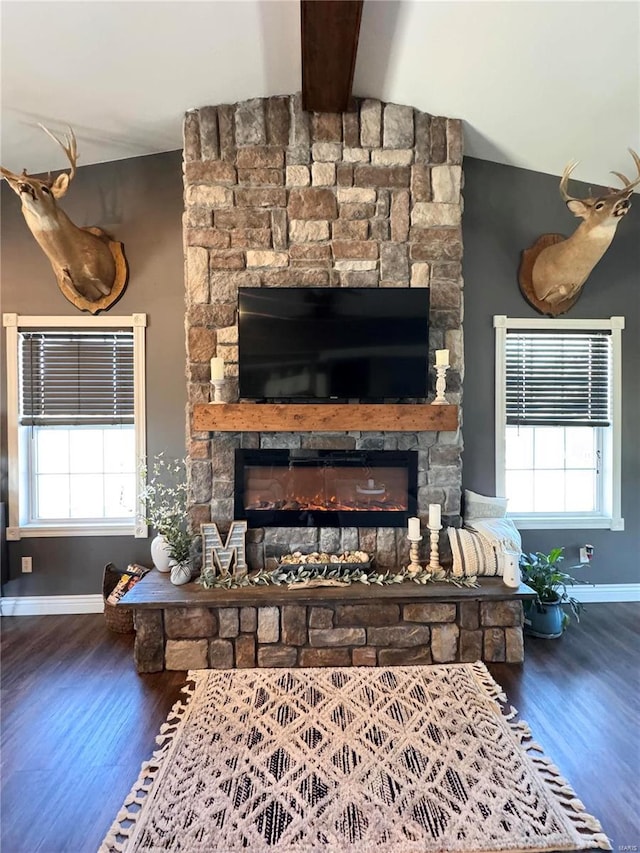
(327, 504)
(326, 490)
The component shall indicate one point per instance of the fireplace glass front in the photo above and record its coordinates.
(325, 488)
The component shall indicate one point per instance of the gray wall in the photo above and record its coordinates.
(139, 201)
(506, 209)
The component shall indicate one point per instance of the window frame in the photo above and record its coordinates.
(611, 516)
(17, 481)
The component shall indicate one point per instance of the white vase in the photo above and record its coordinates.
(160, 553)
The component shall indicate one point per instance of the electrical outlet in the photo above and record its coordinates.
(586, 553)
(27, 564)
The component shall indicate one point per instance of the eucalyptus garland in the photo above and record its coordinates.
(291, 576)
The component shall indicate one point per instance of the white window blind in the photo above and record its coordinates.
(558, 378)
(76, 378)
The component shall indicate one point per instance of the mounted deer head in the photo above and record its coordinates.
(91, 269)
(554, 270)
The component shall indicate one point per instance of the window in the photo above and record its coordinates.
(558, 419)
(76, 424)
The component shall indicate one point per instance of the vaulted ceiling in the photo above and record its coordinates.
(536, 83)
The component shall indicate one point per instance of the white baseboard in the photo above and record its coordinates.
(50, 605)
(605, 592)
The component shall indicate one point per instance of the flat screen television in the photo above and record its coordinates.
(322, 343)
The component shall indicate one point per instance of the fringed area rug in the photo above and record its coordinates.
(352, 759)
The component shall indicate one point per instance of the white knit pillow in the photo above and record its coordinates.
(472, 554)
(485, 547)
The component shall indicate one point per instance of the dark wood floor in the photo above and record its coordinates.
(77, 721)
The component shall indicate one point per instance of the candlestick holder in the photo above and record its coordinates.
(441, 384)
(434, 556)
(218, 385)
(414, 553)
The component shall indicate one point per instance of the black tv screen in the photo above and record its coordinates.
(323, 343)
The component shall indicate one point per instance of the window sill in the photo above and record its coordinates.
(72, 530)
(568, 522)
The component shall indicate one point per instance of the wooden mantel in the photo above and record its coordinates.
(329, 417)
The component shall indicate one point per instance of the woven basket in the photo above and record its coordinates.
(117, 619)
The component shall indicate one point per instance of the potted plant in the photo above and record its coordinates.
(545, 616)
(164, 496)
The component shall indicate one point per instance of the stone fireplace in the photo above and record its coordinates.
(277, 197)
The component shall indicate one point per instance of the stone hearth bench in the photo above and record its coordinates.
(188, 627)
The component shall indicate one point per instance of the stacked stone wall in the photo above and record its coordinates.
(291, 635)
(275, 197)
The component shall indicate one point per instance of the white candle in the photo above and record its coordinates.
(217, 369)
(414, 529)
(434, 515)
(442, 358)
(370, 484)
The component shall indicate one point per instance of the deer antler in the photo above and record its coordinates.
(627, 183)
(568, 169)
(70, 149)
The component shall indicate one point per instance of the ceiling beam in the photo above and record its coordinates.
(330, 30)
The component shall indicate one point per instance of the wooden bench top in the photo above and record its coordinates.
(155, 591)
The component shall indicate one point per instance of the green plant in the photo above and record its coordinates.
(543, 574)
(164, 497)
(332, 575)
